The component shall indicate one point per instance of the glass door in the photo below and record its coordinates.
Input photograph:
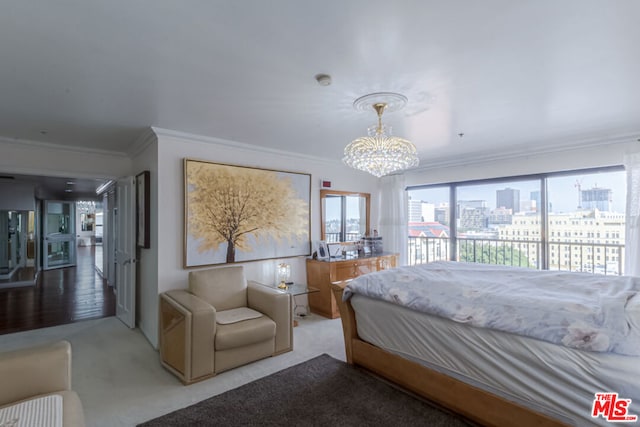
(59, 234)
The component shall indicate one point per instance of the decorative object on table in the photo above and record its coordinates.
(380, 153)
(238, 214)
(284, 274)
(323, 250)
(374, 244)
(143, 202)
(335, 250)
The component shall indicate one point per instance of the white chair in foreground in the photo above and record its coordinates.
(36, 384)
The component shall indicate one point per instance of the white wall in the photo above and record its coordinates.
(561, 160)
(30, 158)
(145, 158)
(16, 196)
(173, 148)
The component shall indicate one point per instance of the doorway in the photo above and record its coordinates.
(64, 295)
(59, 234)
(68, 287)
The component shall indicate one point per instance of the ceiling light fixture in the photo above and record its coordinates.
(379, 153)
(104, 187)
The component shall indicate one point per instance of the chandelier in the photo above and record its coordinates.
(379, 153)
(86, 206)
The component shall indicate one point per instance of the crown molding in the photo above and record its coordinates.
(160, 132)
(59, 147)
(142, 142)
(524, 150)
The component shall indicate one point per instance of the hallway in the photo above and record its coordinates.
(64, 295)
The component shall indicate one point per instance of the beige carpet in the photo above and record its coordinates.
(120, 381)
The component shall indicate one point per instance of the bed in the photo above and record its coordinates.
(466, 357)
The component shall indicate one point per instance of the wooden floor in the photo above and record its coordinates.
(64, 295)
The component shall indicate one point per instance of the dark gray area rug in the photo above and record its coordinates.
(322, 391)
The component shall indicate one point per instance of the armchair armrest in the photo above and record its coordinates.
(276, 305)
(187, 328)
(35, 370)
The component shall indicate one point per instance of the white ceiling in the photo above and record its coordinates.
(509, 75)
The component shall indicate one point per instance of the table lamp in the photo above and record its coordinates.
(284, 273)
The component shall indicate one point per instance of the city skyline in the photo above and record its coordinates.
(563, 191)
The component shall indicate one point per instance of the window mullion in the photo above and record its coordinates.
(544, 221)
(453, 229)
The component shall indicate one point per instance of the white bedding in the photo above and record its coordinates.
(579, 310)
(549, 378)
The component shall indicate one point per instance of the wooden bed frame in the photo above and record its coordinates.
(471, 402)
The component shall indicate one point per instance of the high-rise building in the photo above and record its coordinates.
(535, 197)
(500, 216)
(473, 219)
(442, 214)
(509, 198)
(597, 198)
(472, 214)
(415, 210)
(420, 211)
(474, 204)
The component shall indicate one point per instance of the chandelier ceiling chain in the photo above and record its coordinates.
(380, 153)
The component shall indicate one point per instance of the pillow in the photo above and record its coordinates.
(236, 315)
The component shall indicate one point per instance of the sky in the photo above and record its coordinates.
(563, 193)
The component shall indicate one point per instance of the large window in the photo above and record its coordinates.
(566, 221)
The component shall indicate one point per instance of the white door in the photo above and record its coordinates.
(125, 250)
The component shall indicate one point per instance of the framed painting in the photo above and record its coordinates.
(142, 210)
(238, 214)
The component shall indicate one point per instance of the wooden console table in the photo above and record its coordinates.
(321, 273)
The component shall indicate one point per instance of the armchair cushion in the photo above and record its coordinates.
(224, 287)
(244, 333)
(236, 315)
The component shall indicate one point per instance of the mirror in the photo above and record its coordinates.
(86, 221)
(344, 215)
(17, 250)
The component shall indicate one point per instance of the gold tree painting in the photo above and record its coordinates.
(237, 214)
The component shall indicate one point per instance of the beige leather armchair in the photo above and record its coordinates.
(37, 372)
(220, 322)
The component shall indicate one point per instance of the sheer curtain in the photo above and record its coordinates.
(632, 232)
(393, 215)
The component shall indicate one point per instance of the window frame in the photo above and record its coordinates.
(544, 208)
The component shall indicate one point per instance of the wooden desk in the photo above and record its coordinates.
(321, 273)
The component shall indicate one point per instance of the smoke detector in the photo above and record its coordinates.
(323, 79)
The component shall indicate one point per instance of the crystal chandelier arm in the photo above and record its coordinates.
(379, 107)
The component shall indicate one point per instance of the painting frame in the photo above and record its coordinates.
(275, 221)
(143, 205)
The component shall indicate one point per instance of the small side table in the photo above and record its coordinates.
(294, 290)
